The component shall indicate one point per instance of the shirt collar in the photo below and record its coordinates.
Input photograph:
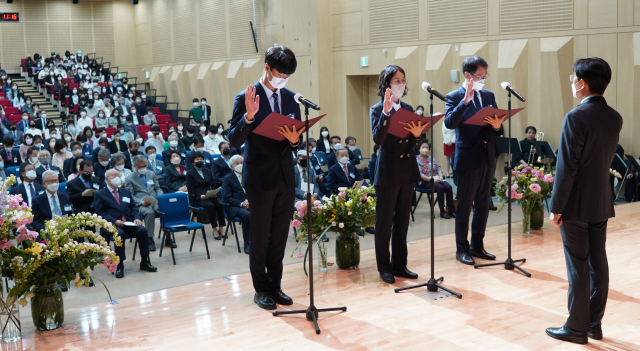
(268, 91)
(397, 106)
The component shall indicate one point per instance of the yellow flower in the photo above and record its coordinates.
(37, 250)
(27, 250)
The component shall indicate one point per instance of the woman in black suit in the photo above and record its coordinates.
(324, 143)
(175, 174)
(117, 145)
(199, 181)
(396, 174)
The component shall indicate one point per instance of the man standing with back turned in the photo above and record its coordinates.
(582, 200)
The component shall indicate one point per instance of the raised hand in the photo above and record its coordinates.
(251, 101)
(388, 102)
(495, 121)
(468, 96)
(416, 130)
(292, 135)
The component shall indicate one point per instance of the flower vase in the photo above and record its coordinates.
(9, 318)
(322, 253)
(347, 251)
(537, 215)
(526, 221)
(47, 307)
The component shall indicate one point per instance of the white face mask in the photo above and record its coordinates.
(83, 114)
(204, 103)
(53, 187)
(24, 118)
(119, 167)
(277, 83)
(220, 130)
(238, 168)
(101, 115)
(195, 104)
(325, 134)
(175, 161)
(352, 148)
(397, 90)
(44, 115)
(344, 160)
(574, 90)
(173, 143)
(180, 127)
(31, 174)
(142, 171)
(139, 140)
(75, 91)
(116, 182)
(67, 138)
(28, 141)
(313, 150)
(478, 85)
(419, 112)
(203, 129)
(143, 96)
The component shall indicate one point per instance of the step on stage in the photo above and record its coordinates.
(499, 310)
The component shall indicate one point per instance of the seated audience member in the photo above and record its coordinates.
(156, 140)
(175, 174)
(78, 186)
(33, 129)
(50, 203)
(45, 159)
(188, 138)
(442, 188)
(117, 162)
(199, 181)
(75, 167)
(133, 147)
(173, 146)
(84, 120)
(28, 143)
(101, 120)
(103, 144)
(149, 118)
(87, 149)
(316, 162)
(331, 159)
(372, 163)
(222, 165)
(198, 145)
(117, 144)
(10, 157)
(28, 190)
(60, 154)
(32, 157)
(343, 174)
(102, 165)
(235, 196)
(76, 151)
(153, 164)
(114, 204)
(142, 183)
(300, 171)
(351, 145)
(214, 138)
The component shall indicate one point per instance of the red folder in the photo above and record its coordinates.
(478, 118)
(403, 118)
(270, 126)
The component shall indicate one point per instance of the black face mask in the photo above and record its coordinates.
(86, 176)
(303, 163)
(199, 164)
(226, 152)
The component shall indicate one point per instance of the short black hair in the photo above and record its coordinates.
(191, 129)
(195, 99)
(420, 106)
(175, 152)
(195, 154)
(81, 137)
(530, 127)
(595, 72)
(74, 168)
(335, 137)
(32, 149)
(384, 81)
(84, 164)
(197, 141)
(348, 139)
(151, 147)
(222, 143)
(8, 140)
(471, 63)
(281, 58)
(74, 143)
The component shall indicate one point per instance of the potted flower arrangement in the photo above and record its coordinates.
(529, 186)
(345, 213)
(36, 267)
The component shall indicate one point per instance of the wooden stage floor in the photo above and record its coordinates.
(499, 310)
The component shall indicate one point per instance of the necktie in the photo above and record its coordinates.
(204, 113)
(276, 107)
(346, 173)
(32, 191)
(304, 175)
(115, 194)
(143, 179)
(9, 155)
(476, 101)
(56, 208)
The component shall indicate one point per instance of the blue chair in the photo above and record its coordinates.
(158, 157)
(232, 221)
(323, 156)
(174, 217)
(215, 156)
(63, 188)
(15, 170)
(421, 191)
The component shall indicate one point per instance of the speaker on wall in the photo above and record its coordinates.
(9, 1)
(74, 1)
(135, 2)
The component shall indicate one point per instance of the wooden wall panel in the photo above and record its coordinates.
(382, 30)
(104, 41)
(102, 10)
(58, 10)
(523, 16)
(82, 37)
(603, 13)
(60, 37)
(347, 29)
(213, 30)
(37, 37)
(184, 31)
(240, 14)
(446, 18)
(161, 32)
(606, 46)
(222, 97)
(512, 67)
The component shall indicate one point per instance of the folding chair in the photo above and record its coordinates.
(419, 189)
(232, 221)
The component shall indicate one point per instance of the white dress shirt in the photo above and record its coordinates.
(50, 197)
(303, 180)
(269, 94)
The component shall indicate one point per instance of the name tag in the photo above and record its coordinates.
(183, 155)
(173, 200)
(352, 175)
(207, 161)
(67, 208)
(96, 186)
(149, 182)
(87, 153)
(40, 192)
(360, 157)
(160, 168)
(317, 167)
(291, 115)
(126, 200)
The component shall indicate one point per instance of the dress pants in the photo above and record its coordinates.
(270, 217)
(587, 271)
(149, 214)
(214, 210)
(393, 209)
(474, 190)
(443, 190)
(140, 233)
(245, 220)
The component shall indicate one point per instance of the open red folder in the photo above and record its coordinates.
(403, 118)
(478, 118)
(270, 126)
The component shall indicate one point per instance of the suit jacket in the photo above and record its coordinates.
(105, 205)
(396, 163)
(314, 183)
(221, 168)
(353, 158)
(174, 179)
(66, 166)
(338, 179)
(22, 191)
(41, 170)
(16, 135)
(265, 160)
(197, 185)
(139, 190)
(99, 171)
(42, 211)
(234, 195)
(582, 191)
(167, 161)
(159, 166)
(76, 187)
(113, 148)
(207, 162)
(15, 158)
(129, 158)
(471, 152)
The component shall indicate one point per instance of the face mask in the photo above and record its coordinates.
(25, 118)
(130, 95)
(59, 78)
(1, 165)
(344, 160)
(138, 101)
(226, 152)
(574, 90)
(119, 90)
(325, 134)
(173, 143)
(31, 174)
(478, 85)
(419, 112)
(175, 161)
(352, 148)
(101, 115)
(220, 130)
(397, 90)
(238, 168)
(203, 103)
(45, 161)
(202, 129)
(142, 171)
(82, 144)
(277, 83)
(44, 115)
(139, 140)
(303, 163)
(14, 88)
(83, 114)
(133, 112)
(119, 167)
(102, 147)
(199, 164)
(8, 81)
(143, 96)
(116, 182)
(313, 150)
(104, 163)
(133, 88)
(28, 141)
(53, 187)
(34, 159)
(195, 104)
(77, 153)
(424, 152)
(180, 127)
(86, 176)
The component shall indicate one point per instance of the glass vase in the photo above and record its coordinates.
(347, 251)
(526, 221)
(47, 307)
(537, 215)
(322, 257)
(9, 318)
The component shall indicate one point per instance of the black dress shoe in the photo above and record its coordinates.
(172, 243)
(63, 286)
(82, 276)
(370, 230)
(405, 273)
(325, 239)
(152, 245)
(481, 254)
(445, 215)
(566, 334)
(120, 270)
(465, 258)
(595, 332)
(360, 232)
(492, 207)
(264, 300)
(387, 278)
(281, 298)
(145, 265)
(246, 248)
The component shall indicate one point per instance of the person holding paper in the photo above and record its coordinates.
(475, 159)
(396, 175)
(80, 188)
(268, 177)
(200, 181)
(582, 203)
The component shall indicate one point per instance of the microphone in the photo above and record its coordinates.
(506, 86)
(427, 87)
(301, 100)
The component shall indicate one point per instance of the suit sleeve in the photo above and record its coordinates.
(229, 194)
(569, 152)
(128, 184)
(239, 131)
(99, 208)
(379, 124)
(455, 111)
(157, 187)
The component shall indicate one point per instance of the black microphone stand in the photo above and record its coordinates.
(433, 284)
(510, 263)
(312, 311)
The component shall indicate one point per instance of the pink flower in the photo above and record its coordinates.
(515, 173)
(535, 188)
(343, 194)
(518, 196)
(514, 186)
(32, 235)
(342, 189)
(112, 268)
(22, 237)
(22, 229)
(300, 255)
(5, 244)
(364, 198)
(107, 261)
(534, 172)
(296, 223)
(548, 178)
(24, 206)
(82, 252)
(329, 263)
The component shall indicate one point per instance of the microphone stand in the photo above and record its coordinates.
(510, 263)
(312, 311)
(433, 284)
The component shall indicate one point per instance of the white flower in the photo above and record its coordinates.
(341, 225)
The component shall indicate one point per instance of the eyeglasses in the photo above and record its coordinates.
(480, 78)
(398, 81)
(572, 77)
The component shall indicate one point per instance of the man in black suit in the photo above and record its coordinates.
(336, 145)
(343, 174)
(50, 203)
(235, 196)
(198, 145)
(115, 205)
(77, 188)
(45, 165)
(268, 178)
(101, 142)
(28, 190)
(221, 165)
(582, 200)
(134, 146)
(199, 181)
(10, 157)
(32, 156)
(173, 145)
(206, 112)
(103, 164)
(475, 159)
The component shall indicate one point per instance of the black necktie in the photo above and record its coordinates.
(476, 101)
(276, 107)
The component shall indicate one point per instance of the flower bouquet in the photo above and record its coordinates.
(529, 186)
